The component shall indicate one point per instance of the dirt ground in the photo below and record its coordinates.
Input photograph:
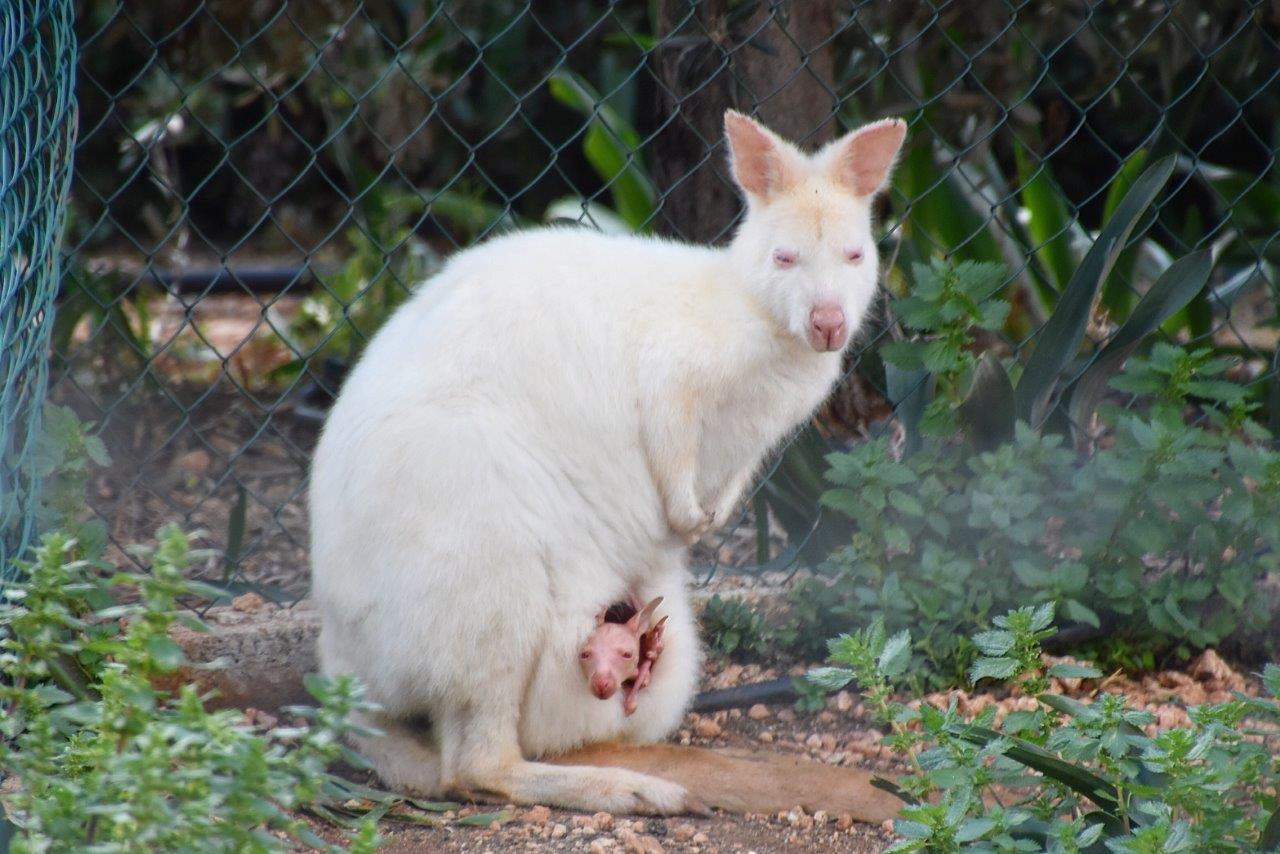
(840, 734)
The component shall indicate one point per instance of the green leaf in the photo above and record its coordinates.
(166, 654)
(1074, 671)
(993, 668)
(830, 678)
(996, 642)
(612, 147)
(484, 819)
(1059, 339)
(974, 828)
(1050, 224)
(988, 411)
(1174, 289)
(896, 655)
(1081, 613)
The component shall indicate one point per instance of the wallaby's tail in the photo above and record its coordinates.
(744, 781)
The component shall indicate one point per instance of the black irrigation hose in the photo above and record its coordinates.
(253, 278)
(781, 690)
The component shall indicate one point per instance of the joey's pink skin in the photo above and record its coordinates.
(622, 655)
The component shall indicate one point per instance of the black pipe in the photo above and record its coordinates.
(254, 278)
(781, 690)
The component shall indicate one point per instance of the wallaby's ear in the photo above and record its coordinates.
(862, 159)
(763, 164)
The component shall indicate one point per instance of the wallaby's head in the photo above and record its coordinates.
(806, 242)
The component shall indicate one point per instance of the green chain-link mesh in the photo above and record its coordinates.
(37, 132)
(259, 183)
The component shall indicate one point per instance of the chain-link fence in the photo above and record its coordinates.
(37, 130)
(259, 183)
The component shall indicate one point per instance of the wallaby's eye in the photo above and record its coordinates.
(853, 256)
(627, 653)
(586, 653)
(785, 257)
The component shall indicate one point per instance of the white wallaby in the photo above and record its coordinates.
(538, 433)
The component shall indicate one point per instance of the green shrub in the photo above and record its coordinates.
(1067, 776)
(104, 760)
(732, 628)
(1165, 533)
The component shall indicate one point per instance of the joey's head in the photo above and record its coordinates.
(805, 247)
(612, 654)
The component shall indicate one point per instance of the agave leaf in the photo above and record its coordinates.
(908, 392)
(1185, 278)
(1050, 224)
(988, 412)
(1078, 779)
(1060, 338)
(1117, 293)
(1270, 839)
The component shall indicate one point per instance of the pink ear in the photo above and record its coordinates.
(761, 163)
(864, 157)
(640, 622)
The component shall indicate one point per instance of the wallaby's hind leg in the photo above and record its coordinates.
(403, 755)
(482, 757)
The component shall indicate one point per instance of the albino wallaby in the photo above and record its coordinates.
(622, 654)
(538, 433)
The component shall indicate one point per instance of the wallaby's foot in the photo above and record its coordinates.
(614, 790)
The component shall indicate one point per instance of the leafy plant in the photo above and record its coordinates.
(105, 759)
(731, 628)
(1165, 533)
(1065, 776)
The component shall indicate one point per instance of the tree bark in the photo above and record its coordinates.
(771, 59)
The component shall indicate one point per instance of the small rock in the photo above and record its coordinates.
(602, 821)
(600, 846)
(786, 716)
(826, 717)
(707, 728)
(821, 817)
(844, 821)
(1210, 666)
(196, 462)
(732, 675)
(813, 742)
(765, 737)
(248, 603)
(844, 701)
(558, 831)
(828, 742)
(758, 712)
(887, 825)
(700, 838)
(538, 815)
(683, 832)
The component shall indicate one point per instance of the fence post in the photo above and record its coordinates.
(37, 140)
(775, 63)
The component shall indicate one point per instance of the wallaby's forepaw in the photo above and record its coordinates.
(690, 522)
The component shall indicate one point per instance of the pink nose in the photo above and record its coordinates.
(827, 329)
(602, 686)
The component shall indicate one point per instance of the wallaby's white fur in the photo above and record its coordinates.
(536, 434)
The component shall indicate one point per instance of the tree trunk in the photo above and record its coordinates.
(774, 63)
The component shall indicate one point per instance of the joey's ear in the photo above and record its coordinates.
(862, 159)
(763, 164)
(640, 622)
